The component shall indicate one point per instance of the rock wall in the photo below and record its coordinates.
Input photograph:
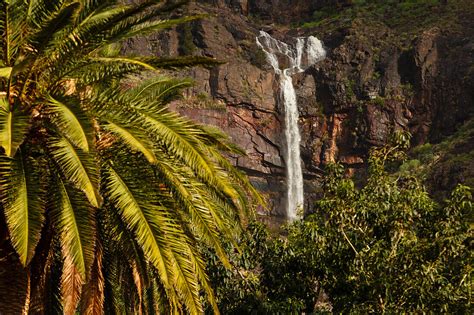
(371, 85)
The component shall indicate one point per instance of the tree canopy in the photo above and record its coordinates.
(385, 247)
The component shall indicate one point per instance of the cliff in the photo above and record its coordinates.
(391, 66)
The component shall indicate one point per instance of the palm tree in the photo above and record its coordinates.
(106, 194)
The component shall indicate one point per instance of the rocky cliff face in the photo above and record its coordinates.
(376, 80)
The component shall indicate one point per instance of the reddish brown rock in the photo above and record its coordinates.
(366, 89)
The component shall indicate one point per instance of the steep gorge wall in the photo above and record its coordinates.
(370, 85)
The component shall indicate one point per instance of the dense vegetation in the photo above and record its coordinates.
(443, 165)
(405, 16)
(386, 247)
(104, 193)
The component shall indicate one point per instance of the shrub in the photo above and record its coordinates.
(386, 247)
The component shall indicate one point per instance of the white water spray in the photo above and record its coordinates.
(307, 51)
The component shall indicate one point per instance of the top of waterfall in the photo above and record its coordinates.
(305, 53)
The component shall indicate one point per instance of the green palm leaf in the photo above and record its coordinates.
(12, 24)
(149, 27)
(73, 217)
(13, 128)
(23, 201)
(77, 167)
(188, 266)
(176, 134)
(186, 282)
(182, 62)
(199, 210)
(158, 90)
(57, 21)
(135, 139)
(133, 213)
(5, 72)
(71, 121)
(141, 62)
(96, 71)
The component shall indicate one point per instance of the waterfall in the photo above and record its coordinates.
(306, 52)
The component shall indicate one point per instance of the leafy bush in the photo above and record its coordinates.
(386, 247)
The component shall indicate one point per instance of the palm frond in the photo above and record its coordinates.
(39, 11)
(133, 213)
(13, 127)
(187, 283)
(121, 246)
(12, 25)
(73, 218)
(178, 136)
(95, 71)
(23, 201)
(71, 285)
(94, 31)
(135, 139)
(5, 72)
(200, 211)
(93, 293)
(158, 90)
(142, 62)
(70, 120)
(149, 27)
(174, 63)
(77, 167)
(60, 17)
(215, 138)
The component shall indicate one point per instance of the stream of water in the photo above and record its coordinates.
(305, 52)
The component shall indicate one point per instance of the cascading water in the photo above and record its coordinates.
(312, 50)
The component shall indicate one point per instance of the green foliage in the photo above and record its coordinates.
(186, 42)
(443, 165)
(350, 90)
(384, 248)
(408, 16)
(258, 57)
(379, 101)
(409, 166)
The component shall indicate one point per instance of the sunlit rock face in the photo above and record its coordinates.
(367, 87)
